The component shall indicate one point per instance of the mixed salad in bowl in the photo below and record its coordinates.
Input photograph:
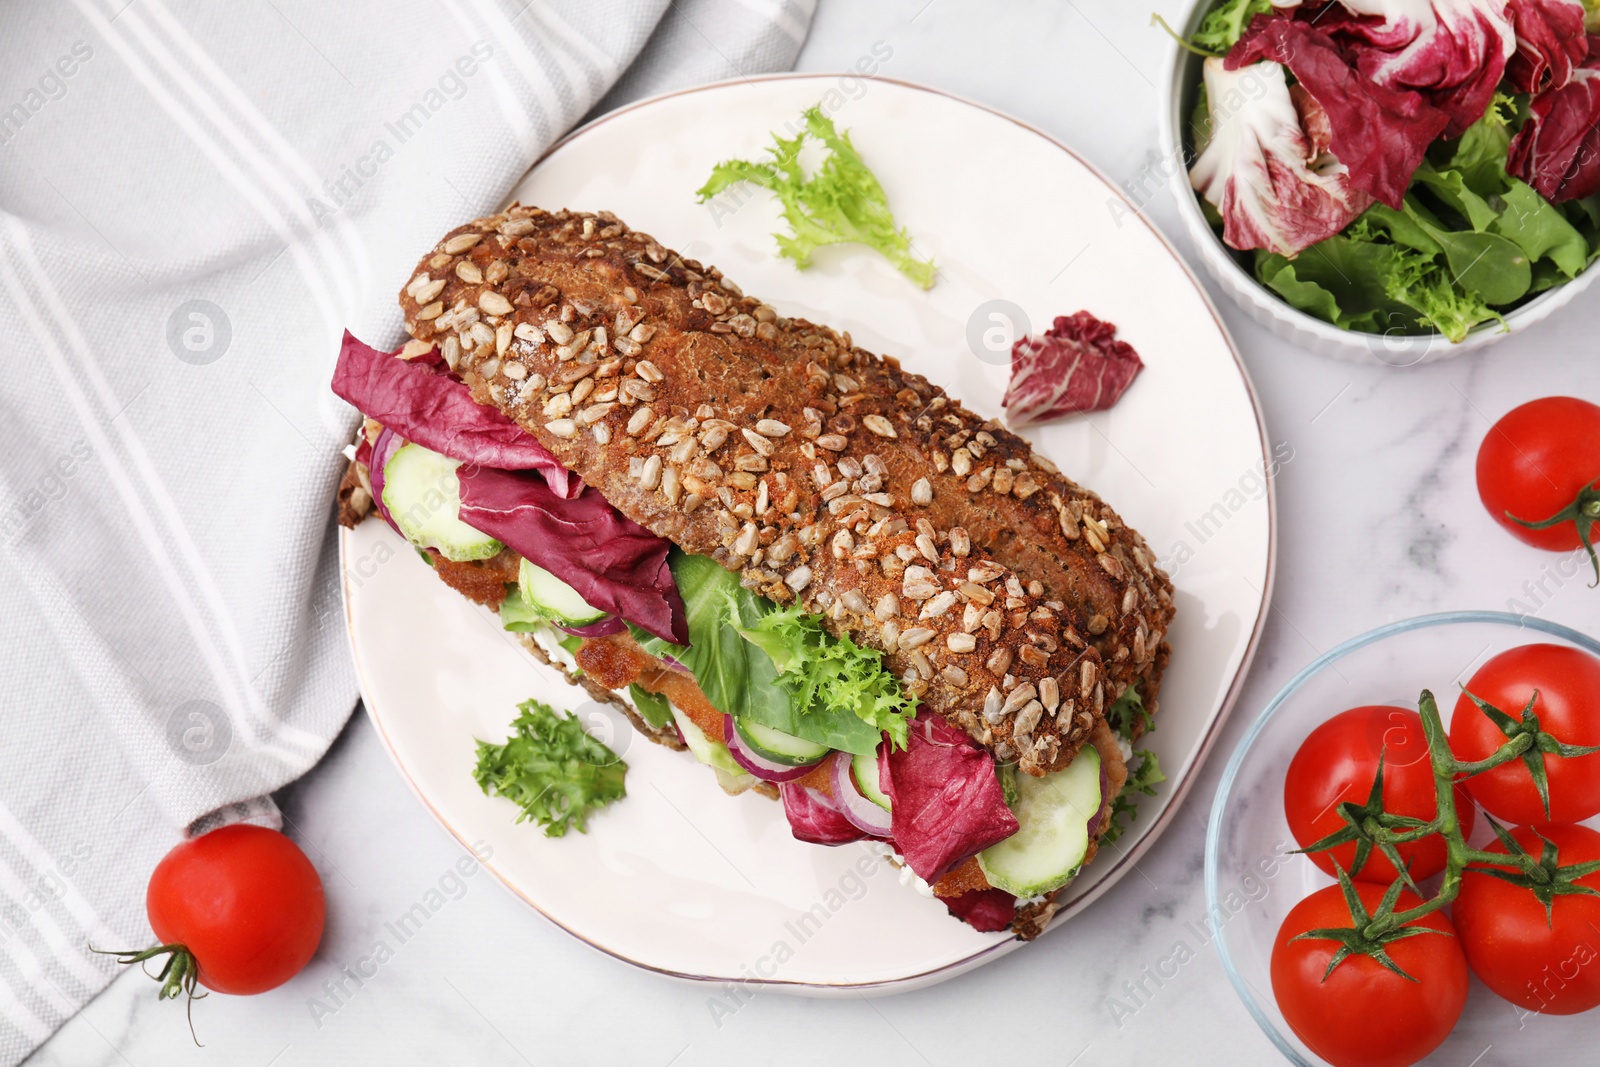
(1401, 166)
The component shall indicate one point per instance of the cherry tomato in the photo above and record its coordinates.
(1537, 461)
(1364, 1015)
(1338, 762)
(1551, 967)
(244, 901)
(1568, 707)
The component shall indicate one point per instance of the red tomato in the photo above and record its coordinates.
(245, 901)
(1365, 1015)
(1568, 681)
(1338, 762)
(1535, 462)
(1551, 967)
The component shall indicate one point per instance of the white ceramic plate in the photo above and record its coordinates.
(679, 877)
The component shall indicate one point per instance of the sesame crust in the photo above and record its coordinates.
(1007, 598)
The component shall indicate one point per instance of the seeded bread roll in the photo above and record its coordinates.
(1007, 598)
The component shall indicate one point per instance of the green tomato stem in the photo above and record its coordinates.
(1447, 770)
(179, 976)
(1507, 752)
(1583, 513)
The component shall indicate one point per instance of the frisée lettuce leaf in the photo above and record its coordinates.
(1128, 711)
(841, 202)
(1142, 781)
(1124, 716)
(831, 675)
(550, 768)
(1226, 23)
(779, 668)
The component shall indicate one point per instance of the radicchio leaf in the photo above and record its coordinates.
(1276, 187)
(1078, 365)
(1550, 43)
(814, 817)
(1451, 51)
(420, 402)
(985, 910)
(614, 563)
(1557, 151)
(1379, 133)
(946, 798)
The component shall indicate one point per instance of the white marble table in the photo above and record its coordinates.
(1378, 520)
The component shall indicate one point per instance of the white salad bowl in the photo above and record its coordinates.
(1266, 307)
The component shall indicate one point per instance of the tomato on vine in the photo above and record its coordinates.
(1354, 1009)
(1338, 764)
(1546, 697)
(1539, 474)
(1534, 941)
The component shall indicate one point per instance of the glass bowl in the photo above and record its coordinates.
(1252, 881)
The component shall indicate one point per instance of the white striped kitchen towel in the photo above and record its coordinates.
(195, 199)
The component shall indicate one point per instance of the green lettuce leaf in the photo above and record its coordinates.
(1350, 272)
(1143, 777)
(841, 203)
(832, 692)
(831, 677)
(1585, 215)
(1484, 265)
(1007, 773)
(1401, 227)
(1451, 187)
(519, 616)
(1540, 230)
(1438, 298)
(1128, 709)
(551, 769)
(1226, 23)
(1479, 154)
(1402, 272)
(653, 708)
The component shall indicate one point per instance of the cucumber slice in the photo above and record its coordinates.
(553, 598)
(421, 491)
(778, 746)
(713, 754)
(1053, 812)
(865, 770)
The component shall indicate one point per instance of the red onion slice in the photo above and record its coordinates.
(765, 769)
(602, 628)
(1100, 819)
(385, 446)
(861, 812)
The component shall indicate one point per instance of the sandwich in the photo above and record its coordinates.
(816, 572)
